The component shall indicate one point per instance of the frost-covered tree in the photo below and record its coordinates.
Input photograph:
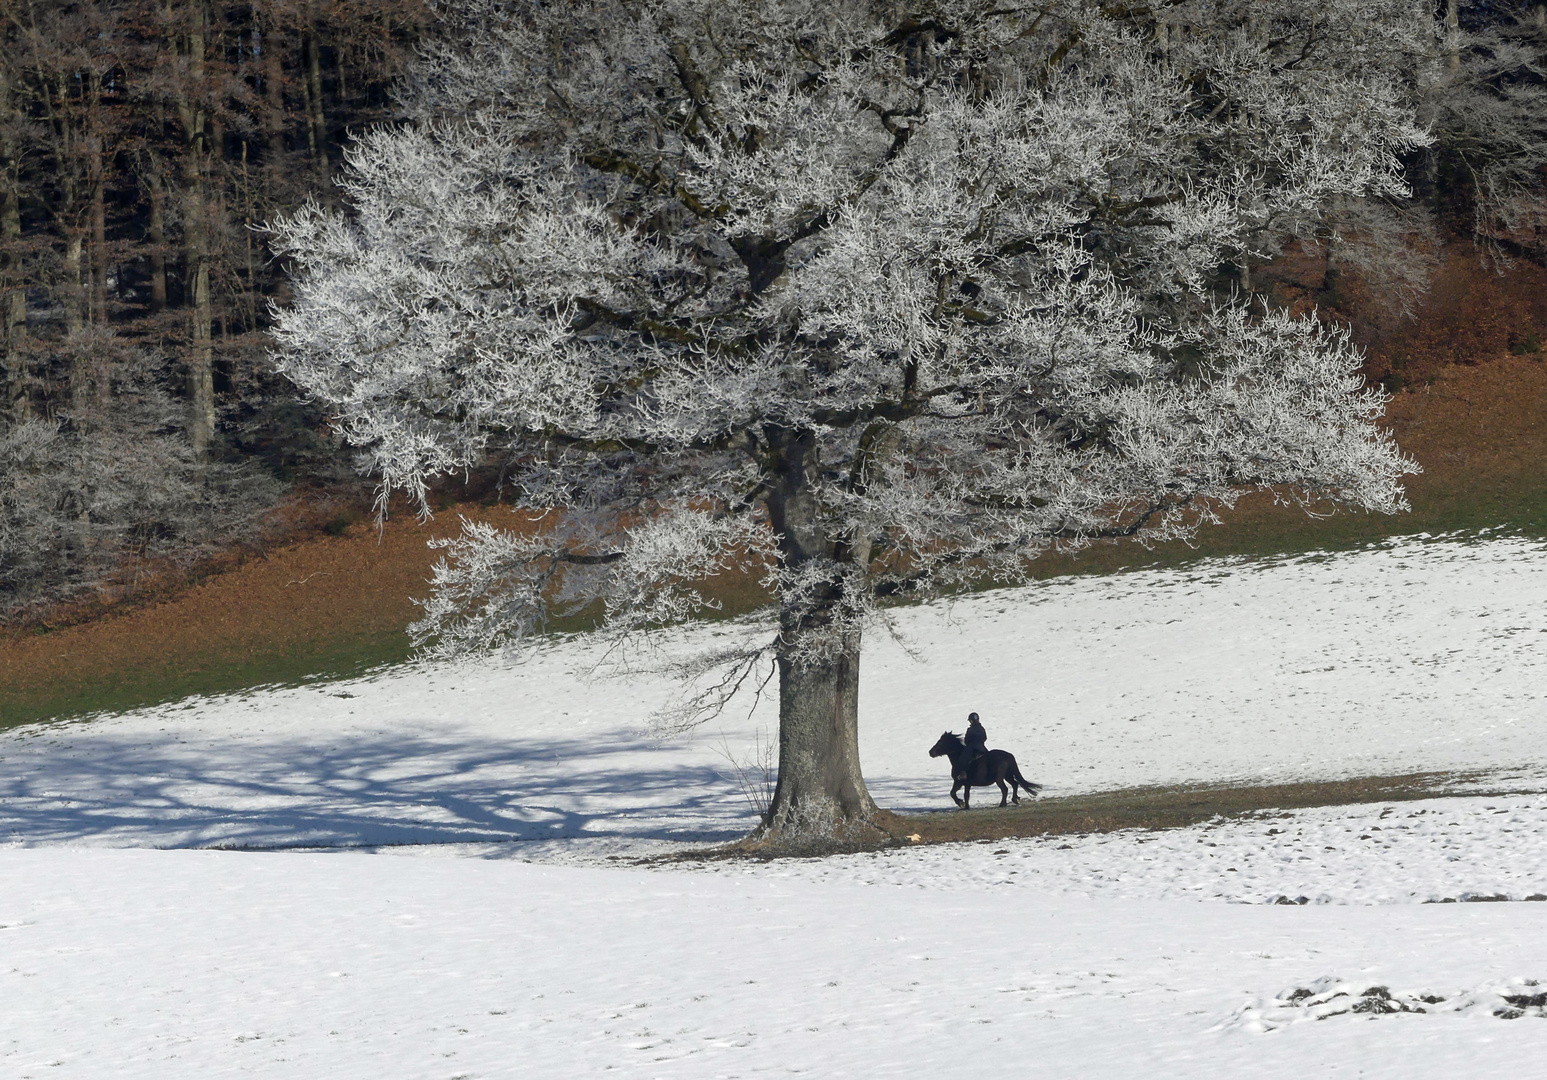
(1482, 92)
(879, 299)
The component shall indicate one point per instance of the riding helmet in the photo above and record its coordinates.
(972, 718)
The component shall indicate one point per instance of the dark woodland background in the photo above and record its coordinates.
(144, 143)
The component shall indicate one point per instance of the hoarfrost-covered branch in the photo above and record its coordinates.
(855, 304)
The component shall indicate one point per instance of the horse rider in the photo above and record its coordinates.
(976, 740)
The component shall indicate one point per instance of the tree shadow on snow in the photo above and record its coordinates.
(360, 791)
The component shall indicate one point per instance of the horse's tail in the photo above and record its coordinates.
(1031, 789)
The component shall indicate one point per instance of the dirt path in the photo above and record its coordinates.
(1150, 808)
(1165, 808)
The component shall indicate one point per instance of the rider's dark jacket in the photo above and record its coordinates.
(977, 739)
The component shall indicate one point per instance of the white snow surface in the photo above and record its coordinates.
(536, 947)
(1414, 656)
(205, 963)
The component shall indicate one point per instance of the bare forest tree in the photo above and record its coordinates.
(1484, 97)
(877, 300)
(141, 142)
(79, 501)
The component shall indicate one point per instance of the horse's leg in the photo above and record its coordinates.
(1004, 793)
(966, 794)
(955, 787)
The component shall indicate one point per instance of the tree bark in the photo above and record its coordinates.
(95, 145)
(250, 291)
(1453, 35)
(820, 799)
(821, 794)
(274, 98)
(98, 238)
(316, 121)
(201, 375)
(13, 307)
(158, 239)
(13, 292)
(74, 289)
(201, 365)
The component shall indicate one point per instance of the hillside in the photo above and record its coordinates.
(335, 604)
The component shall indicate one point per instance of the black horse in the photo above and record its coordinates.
(994, 767)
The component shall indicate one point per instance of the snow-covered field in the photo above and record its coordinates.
(203, 964)
(528, 949)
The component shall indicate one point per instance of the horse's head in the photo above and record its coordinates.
(949, 741)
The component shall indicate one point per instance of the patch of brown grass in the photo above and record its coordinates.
(1476, 308)
(331, 599)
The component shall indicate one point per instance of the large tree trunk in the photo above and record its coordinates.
(821, 794)
(820, 799)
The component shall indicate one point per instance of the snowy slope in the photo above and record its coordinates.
(1414, 656)
(1283, 943)
(154, 965)
(1427, 851)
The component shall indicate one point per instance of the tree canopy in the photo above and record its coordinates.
(880, 299)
